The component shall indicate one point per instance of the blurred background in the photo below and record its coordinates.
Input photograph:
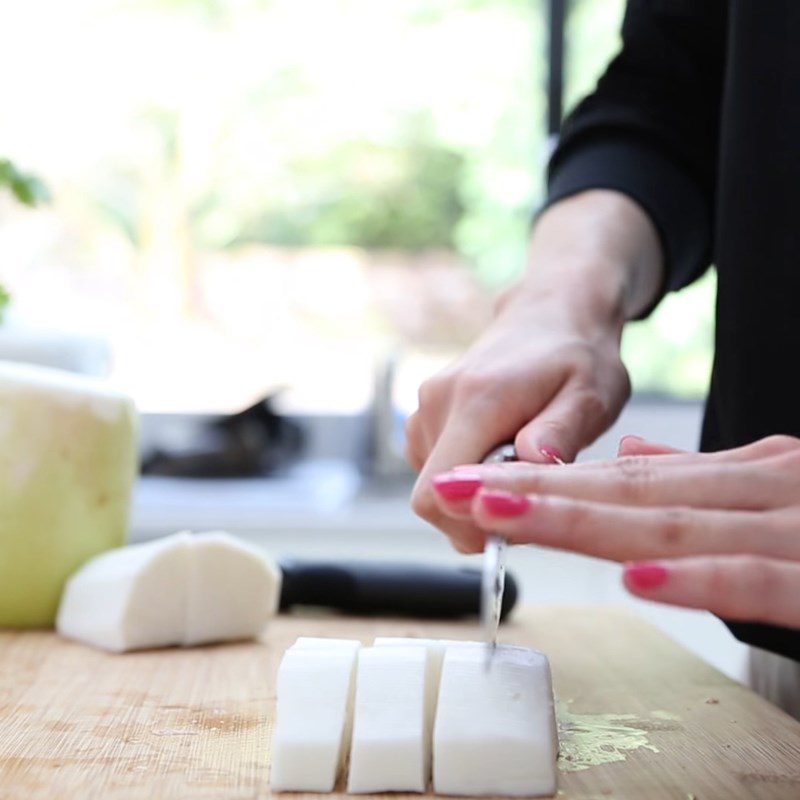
(314, 198)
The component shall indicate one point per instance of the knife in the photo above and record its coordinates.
(493, 581)
(387, 588)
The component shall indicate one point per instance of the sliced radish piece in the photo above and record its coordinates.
(130, 598)
(183, 589)
(315, 688)
(321, 641)
(436, 650)
(495, 731)
(391, 734)
(233, 590)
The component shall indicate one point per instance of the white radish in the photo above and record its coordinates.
(436, 650)
(183, 589)
(304, 642)
(315, 688)
(391, 744)
(130, 598)
(67, 464)
(233, 590)
(495, 731)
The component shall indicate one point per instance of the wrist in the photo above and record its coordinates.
(597, 255)
(582, 298)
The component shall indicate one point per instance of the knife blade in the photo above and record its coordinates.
(494, 567)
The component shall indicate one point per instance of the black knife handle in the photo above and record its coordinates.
(387, 588)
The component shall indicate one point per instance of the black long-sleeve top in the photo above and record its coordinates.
(698, 120)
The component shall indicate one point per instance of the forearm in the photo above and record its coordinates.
(596, 256)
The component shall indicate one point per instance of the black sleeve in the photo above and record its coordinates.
(650, 128)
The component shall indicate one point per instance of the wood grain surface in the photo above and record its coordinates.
(640, 717)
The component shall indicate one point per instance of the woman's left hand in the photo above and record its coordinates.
(718, 531)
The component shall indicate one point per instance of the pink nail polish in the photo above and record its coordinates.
(461, 485)
(645, 575)
(551, 454)
(505, 504)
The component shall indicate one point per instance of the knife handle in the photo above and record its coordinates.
(387, 588)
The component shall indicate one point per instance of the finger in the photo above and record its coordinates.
(652, 480)
(663, 454)
(570, 422)
(743, 588)
(631, 445)
(414, 445)
(480, 420)
(625, 533)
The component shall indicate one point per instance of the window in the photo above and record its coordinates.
(251, 194)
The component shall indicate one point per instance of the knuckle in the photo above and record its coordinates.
(675, 527)
(636, 476)
(742, 586)
(412, 427)
(593, 405)
(575, 532)
(583, 360)
(777, 444)
(423, 504)
(472, 382)
(756, 584)
(430, 392)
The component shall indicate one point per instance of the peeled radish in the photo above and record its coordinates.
(183, 589)
(314, 714)
(495, 731)
(233, 590)
(321, 641)
(391, 744)
(129, 598)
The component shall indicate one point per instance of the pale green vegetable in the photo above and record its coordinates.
(67, 465)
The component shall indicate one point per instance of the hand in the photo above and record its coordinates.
(547, 373)
(532, 378)
(718, 531)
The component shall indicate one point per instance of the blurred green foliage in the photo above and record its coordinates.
(26, 188)
(405, 124)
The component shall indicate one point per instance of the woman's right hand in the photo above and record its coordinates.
(547, 373)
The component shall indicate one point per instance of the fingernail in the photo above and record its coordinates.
(461, 485)
(645, 575)
(551, 454)
(505, 504)
(632, 437)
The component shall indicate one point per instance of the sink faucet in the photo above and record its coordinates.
(386, 459)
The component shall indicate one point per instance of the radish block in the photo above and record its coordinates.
(391, 744)
(314, 713)
(233, 590)
(495, 730)
(130, 598)
(185, 589)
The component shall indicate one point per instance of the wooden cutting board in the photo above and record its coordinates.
(640, 717)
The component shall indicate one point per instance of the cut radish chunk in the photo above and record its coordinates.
(233, 590)
(495, 731)
(391, 732)
(315, 689)
(183, 589)
(130, 598)
(315, 642)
